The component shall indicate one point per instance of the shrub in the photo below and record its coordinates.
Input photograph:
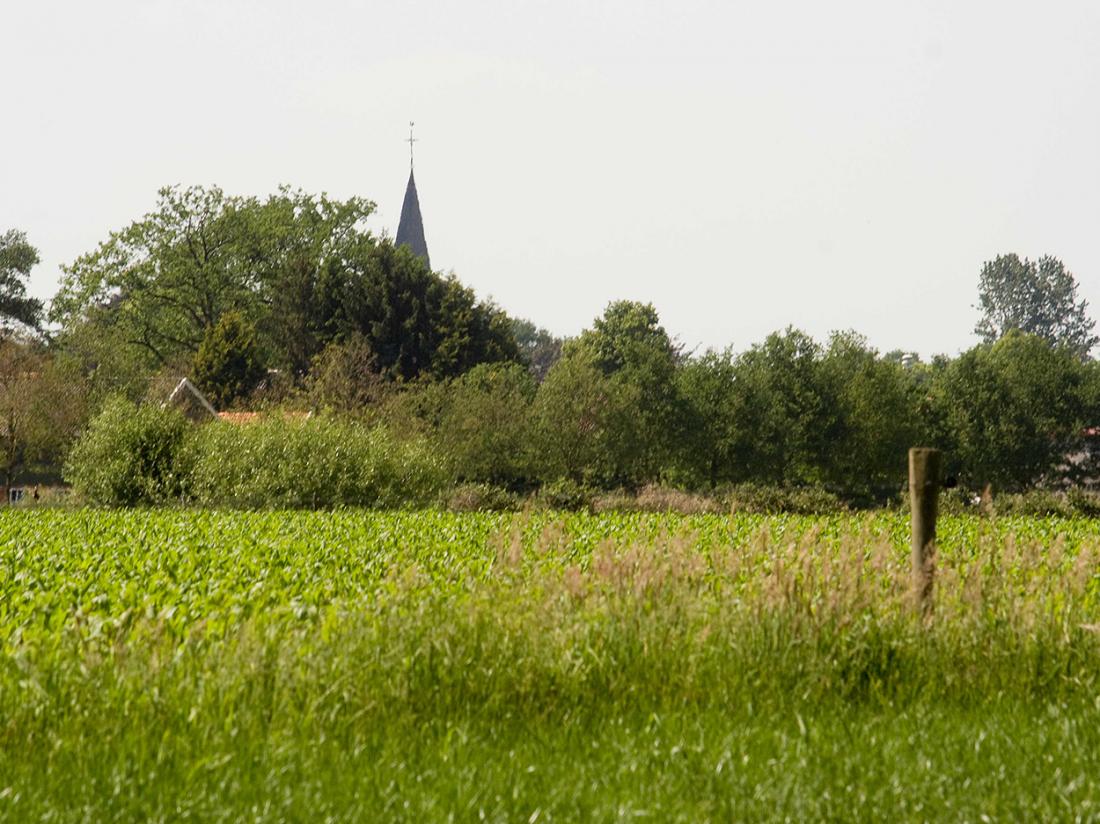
(1044, 502)
(583, 426)
(807, 500)
(130, 455)
(227, 366)
(481, 498)
(316, 462)
(654, 498)
(484, 424)
(1084, 503)
(564, 494)
(346, 378)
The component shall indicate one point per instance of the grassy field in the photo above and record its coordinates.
(195, 665)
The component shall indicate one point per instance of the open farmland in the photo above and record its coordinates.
(199, 665)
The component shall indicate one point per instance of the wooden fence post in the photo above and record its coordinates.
(924, 492)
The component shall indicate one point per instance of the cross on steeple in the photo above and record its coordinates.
(410, 229)
(411, 141)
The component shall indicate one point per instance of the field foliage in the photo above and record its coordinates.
(201, 665)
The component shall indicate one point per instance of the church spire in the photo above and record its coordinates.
(410, 230)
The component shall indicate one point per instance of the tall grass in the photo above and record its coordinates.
(632, 664)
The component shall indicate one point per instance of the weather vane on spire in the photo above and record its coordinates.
(411, 141)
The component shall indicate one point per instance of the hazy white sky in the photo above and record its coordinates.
(742, 166)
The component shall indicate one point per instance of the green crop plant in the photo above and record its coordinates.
(364, 665)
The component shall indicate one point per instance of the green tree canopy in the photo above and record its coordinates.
(301, 269)
(1034, 297)
(485, 422)
(584, 425)
(783, 419)
(416, 322)
(708, 448)
(159, 284)
(1012, 410)
(228, 364)
(42, 407)
(539, 348)
(630, 347)
(791, 412)
(17, 258)
(873, 421)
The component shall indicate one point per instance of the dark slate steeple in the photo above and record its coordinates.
(410, 231)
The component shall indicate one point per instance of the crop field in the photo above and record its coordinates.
(176, 665)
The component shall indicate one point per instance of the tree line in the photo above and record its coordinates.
(290, 302)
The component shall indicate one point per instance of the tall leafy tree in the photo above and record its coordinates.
(709, 391)
(416, 322)
(630, 349)
(301, 269)
(539, 347)
(157, 286)
(873, 421)
(42, 405)
(1034, 297)
(164, 280)
(790, 411)
(485, 422)
(17, 258)
(301, 240)
(1012, 410)
(584, 425)
(784, 417)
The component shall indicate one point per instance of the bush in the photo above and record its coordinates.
(316, 462)
(484, 424)
(564, 494)
(655, 498)
(227, 366)
(481, 498)
(130, 455)
(345, 377)
(1084, 503)
(583, 427)
(1044, 502)
(806, 500)
(1036, 503)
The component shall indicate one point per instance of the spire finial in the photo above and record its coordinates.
(411, 141)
